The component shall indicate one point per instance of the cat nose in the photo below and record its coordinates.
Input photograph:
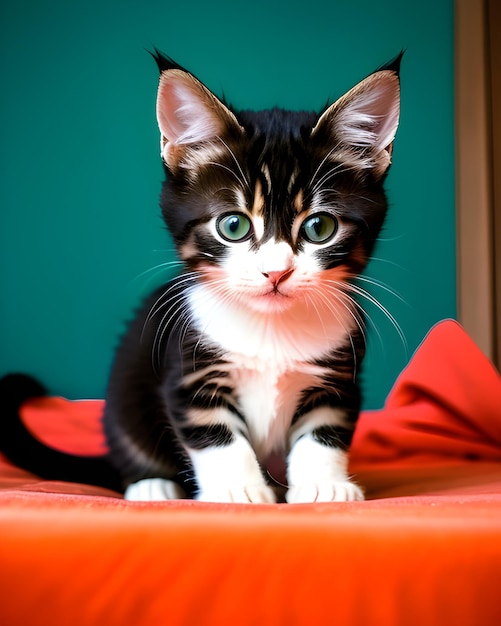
(275, 261)
(278, 276)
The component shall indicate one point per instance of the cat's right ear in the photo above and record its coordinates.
(189, 114)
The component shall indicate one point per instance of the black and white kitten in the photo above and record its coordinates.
(253, 352)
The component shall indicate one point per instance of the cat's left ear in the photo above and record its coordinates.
(362, 124)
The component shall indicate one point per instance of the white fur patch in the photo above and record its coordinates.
(258, 222)
(230, 474)
(317, 473)
(274, 256)
(242, 315)
(154, 489)
(268, 394)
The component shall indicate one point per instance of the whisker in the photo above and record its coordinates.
(339, 292)
(362, 315)
(158, 305)
(377, 283)
(162, 327)
(158, 268)
(170, 295)
(222, 289)
(387, 261)
(340, 296)
(232, 154)
(337, 169)
(311, 300)
(360, 291)
(323, 161)
(390, 239)
(332, 172)
(228, 169)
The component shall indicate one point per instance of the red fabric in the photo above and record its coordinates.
(424, 549)
(445, 405)
(72, 427)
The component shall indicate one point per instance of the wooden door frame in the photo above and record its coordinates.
(478, 269)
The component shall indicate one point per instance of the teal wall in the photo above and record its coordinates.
(80, 173)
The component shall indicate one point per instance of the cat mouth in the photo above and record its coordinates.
(272, 300)
(275, 292)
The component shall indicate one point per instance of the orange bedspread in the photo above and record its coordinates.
(424, 549)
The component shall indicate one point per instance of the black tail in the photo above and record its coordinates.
(25, 451)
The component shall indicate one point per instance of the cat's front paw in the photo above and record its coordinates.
(154, 489)
(327, 491)
(256, 494)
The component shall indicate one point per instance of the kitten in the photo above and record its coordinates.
(253, 352)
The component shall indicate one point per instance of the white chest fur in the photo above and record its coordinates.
(270, 356)
(268, 395)
(302, 332)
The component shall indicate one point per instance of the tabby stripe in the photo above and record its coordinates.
(209, 400)
(200, 437)
(333, 436)
(315, 398)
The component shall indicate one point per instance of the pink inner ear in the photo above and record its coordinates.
(184, 110)
(371, 117)
(170, 125)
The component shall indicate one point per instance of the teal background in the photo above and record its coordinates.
(80, 175)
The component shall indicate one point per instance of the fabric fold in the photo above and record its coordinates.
(445, 405)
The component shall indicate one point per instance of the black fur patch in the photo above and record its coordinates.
(200, 437)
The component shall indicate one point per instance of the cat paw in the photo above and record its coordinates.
(256, 494)
(331, 491)
(154, 489)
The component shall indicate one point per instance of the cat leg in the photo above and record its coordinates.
(230, 473)
(154, 489)
(317, 467)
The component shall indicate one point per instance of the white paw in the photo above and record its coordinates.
(327, 491)
(257, 494)
(154, 489)
(230, 474)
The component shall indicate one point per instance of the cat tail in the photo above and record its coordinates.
(26, 451)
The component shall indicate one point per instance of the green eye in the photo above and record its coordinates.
(319, 228)
(234, 227)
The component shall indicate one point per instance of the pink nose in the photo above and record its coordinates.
(278, 276)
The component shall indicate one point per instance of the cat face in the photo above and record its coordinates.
(275, 208)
